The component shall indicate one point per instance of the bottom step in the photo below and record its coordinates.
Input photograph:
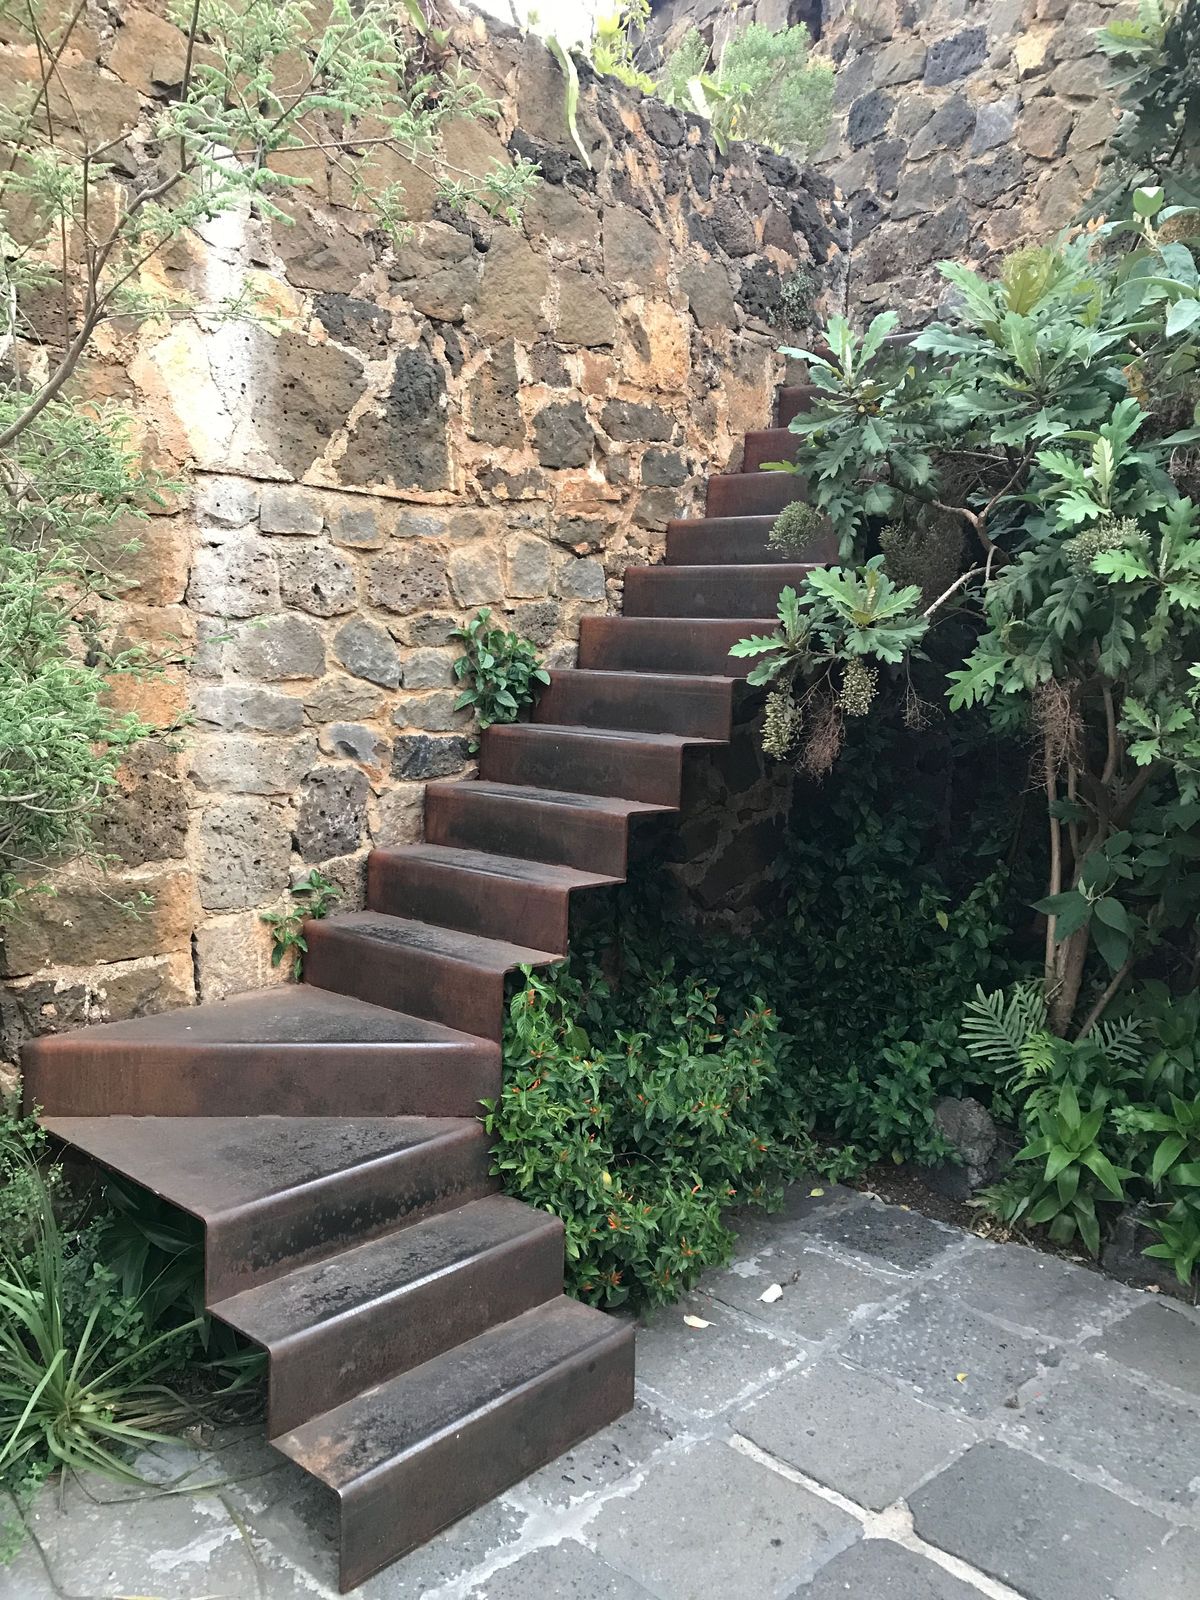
(414, 1454)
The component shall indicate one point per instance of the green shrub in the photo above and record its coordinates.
(1109, 1120)
(764, 87)
(640, 1112)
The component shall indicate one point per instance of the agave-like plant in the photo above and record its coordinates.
(68, 1398)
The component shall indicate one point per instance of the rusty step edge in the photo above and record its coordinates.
(642, 702)
(590, 832)
(630, 766)
(710, 592)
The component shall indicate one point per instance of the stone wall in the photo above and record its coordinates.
(488, 415)
(962, 129)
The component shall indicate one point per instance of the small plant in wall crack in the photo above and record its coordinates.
(500, 671)
(315, 896)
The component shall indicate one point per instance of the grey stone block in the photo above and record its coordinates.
(276, 649)
(317, 579)
(1172, 1573)
(235, 579)
(853, 1432)
(901, 1238)
(876, 1569)
(233, 502)
(1034, 1526)
(1159, 1340)
(189, 1548)
(1096, 1417)
(700, 1372)
(1034, 1290)
(368, 651)
(708, 1521)
(600, 1461)
(819, 1291)
(567, 1571)
(952, 1355)
(286, 508)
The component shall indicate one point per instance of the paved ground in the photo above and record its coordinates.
(919, 1416)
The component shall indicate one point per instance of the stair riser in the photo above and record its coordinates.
(475, 902)
(421, 982)
(639, 702)
(526, 828)
(400, 1507)
(769, 444)
(691, 591)
(792, 401)
(581, 766)
(634, 644)
(752, 494)
(393, 1080)
(335, 1360)
(735, 541)
(269, 1237)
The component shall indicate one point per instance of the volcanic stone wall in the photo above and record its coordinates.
(490, 414)
(961, 131)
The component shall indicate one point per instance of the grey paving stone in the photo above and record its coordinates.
(1035, 1527)
(451, 1555)
(1034, 1290)
(1172, 1573)
(700, 1372)
(100, 1539)
(802, 1201)
(1158, 1340)
(876, 1569)
(708, 1521)
(819, 1291)
(953, 1356)
(1097, 1417)
(904, 1239)
(600, 1461)
(853, 1433)
(566, 1571)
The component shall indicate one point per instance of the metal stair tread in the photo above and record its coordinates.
(575, 730)
(395, 1419)
(540, 873)
(337, 1286)
(472, 949)
(213, 1165)
(284, 1014)
(610, 804)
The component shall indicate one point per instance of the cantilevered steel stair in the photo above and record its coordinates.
(422, 1355)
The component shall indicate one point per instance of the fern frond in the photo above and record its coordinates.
(996, 1027)
(1122, 1041)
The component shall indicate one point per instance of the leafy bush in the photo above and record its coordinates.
(763, 87)
(1021, 420)
(640, 1111)
(501, 671)
(1110, 1119)
(1157, 141)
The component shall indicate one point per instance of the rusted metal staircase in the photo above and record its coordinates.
(422, 1355)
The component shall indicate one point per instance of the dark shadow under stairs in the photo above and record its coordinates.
(422, 1355)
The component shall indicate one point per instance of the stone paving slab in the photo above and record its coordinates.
(853, 1432)
(1035, 1527)
(877, 1569)
(1037, 1291)
(1172, 1573)
(890, 1234)
(568, 1570)
(707, 1521)
(1161, 1341)
(819, 1291)
(1101, 1420)
(701, 1372)
(953, 1356)
(601, 1461)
